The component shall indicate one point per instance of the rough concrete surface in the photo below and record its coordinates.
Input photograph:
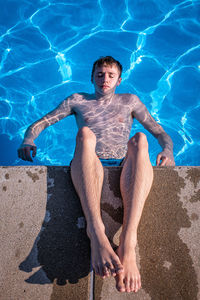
(45, 252)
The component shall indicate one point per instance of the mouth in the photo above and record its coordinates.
(104, 86)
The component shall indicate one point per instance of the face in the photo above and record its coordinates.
(106, 78)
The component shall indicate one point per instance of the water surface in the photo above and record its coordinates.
(47, 49)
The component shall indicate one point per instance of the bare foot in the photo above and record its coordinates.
(105, 261)
(129, 280)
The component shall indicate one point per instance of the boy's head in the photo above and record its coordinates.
(106, 60)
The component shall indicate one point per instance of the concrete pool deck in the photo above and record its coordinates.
(45, 252)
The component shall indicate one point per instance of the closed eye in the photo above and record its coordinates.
(111, 75)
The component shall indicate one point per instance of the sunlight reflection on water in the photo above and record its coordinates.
(47, 51)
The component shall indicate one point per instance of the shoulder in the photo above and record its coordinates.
(72, 100)
(129, 99)
(73, 96)
(78, 97)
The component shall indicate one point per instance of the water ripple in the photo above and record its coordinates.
(46, 53)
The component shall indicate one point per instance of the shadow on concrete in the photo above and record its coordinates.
(62, 248)
(167, 269)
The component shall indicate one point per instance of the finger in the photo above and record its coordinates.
(158, 160)
(168, 162)
(171, 163)
(19, 153)
(34, 151)
(164, 160)
(27, 153)
(23, 156)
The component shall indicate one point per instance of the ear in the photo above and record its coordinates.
(119, 81)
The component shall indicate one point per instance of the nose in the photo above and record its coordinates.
(105, 78)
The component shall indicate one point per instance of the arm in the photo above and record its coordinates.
(32, 132)
(140, 112)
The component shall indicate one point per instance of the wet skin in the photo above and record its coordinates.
(109, 116)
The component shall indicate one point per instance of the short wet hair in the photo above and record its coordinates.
(107, 60)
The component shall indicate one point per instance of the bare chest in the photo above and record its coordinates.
(101, 114)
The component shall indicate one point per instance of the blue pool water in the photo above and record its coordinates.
(47, 49)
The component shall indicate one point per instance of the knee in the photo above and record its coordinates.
(138, 142)
(85, 134)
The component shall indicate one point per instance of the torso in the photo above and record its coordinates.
(110, 120)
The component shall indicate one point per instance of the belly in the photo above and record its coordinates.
(112, 142)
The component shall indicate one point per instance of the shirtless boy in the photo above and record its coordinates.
(104, 120)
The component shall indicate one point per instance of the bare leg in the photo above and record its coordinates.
(135, 183)
(87, 176)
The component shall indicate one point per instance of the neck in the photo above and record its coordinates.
(104, 97)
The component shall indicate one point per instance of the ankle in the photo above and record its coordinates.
(128, 239)
(95, 230)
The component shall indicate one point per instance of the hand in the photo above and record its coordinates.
(165, 158)
(24, 152)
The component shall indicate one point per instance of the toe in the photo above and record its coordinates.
(138, 284)
(118, 267)
(135, 284)
(111, 268)
(127, 285)
(120, 283)
(99, 270)
(106, 271)
(96, 270)
(132, 286)
(113, 272)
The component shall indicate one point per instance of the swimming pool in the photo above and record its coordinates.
(47, 51)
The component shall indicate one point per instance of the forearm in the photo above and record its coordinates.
(165, 141)
(167, 145)
(51, 118)
(143, 116)
(34, 130)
